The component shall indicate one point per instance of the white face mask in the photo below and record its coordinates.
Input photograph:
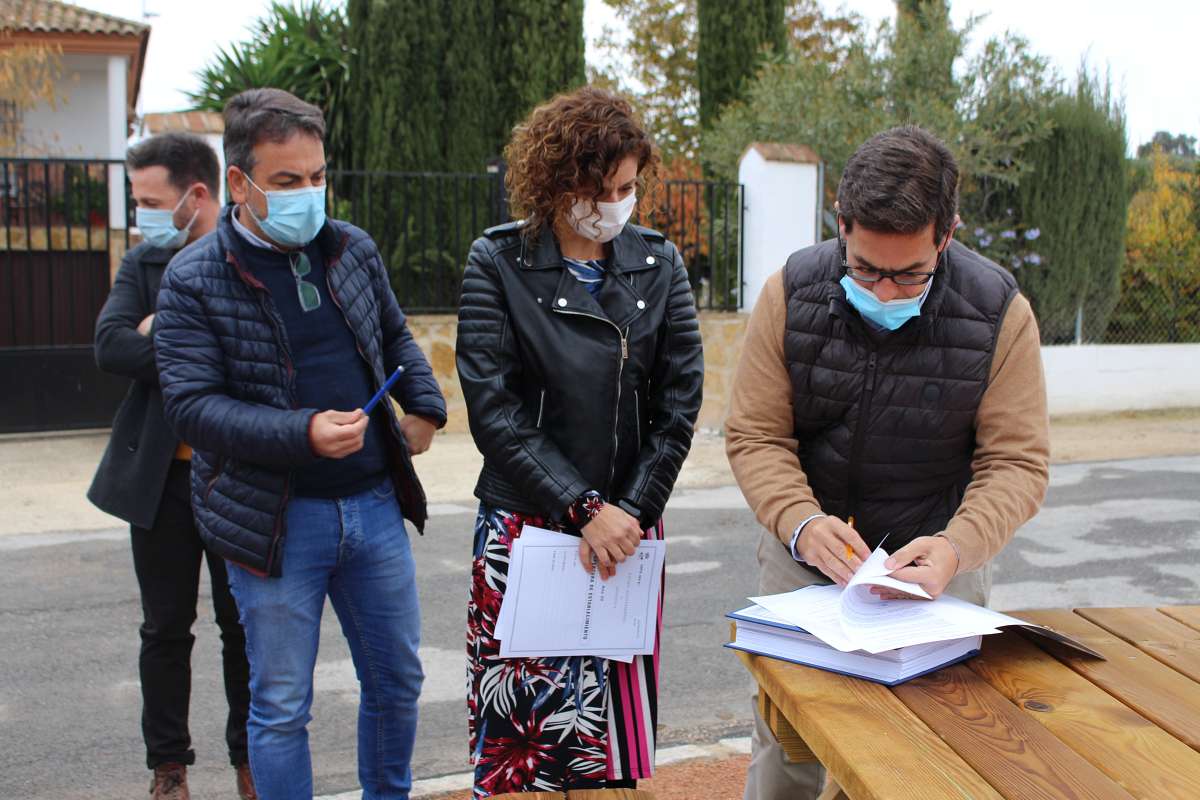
(603, 224)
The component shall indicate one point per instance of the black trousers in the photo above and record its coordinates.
(166, 559)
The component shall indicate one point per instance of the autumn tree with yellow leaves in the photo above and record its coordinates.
(1160, 286)
(28, 78)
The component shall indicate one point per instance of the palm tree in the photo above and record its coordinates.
(302, 48)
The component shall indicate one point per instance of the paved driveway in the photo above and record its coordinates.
(1111, 533)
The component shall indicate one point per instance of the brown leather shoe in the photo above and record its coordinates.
(170, 783)
(245, 783)
(246, 789)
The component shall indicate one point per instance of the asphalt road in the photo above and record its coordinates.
(1112, 533)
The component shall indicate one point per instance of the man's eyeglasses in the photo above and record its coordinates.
(310, 298)
(906, 278)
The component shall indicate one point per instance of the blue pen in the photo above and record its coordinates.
(383, 390)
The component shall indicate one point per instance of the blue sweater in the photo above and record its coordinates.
(330, 372)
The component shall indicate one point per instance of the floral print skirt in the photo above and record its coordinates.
(549, 724)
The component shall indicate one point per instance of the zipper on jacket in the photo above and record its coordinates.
(276, 328)
(860, 433)
(277, 534)
(612, 464)
(213, 481)
(637, 410)
(333, 296)
(624, 336)
(393, 423)
(541, 407)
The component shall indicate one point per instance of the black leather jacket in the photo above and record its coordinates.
(568, 393)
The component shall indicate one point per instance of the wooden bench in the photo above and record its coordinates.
(1017, 721)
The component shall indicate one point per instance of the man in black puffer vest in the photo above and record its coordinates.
(272, 333)
(890, 384)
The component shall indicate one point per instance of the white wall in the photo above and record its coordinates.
(118, 132)
(217, 142)
(1099, 378)
(781, 217)
(79, 127)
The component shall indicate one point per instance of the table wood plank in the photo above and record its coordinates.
(1157, 692)
(1188, 615)
(871, 743)
(1155, 634)
(1020, 759)
(1111, 736)
(792, 743)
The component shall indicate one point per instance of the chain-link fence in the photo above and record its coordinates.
(1126, 302)
(1142, 314)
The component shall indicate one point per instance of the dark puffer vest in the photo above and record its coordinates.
(886, 420)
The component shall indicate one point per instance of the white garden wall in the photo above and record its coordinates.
(1083, 379)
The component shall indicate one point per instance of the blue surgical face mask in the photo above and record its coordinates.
(157, 225)
(890, 314)
(294, 216)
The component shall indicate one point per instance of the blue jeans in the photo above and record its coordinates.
(356, 550)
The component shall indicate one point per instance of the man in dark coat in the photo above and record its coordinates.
(273, 333)
(143, 476)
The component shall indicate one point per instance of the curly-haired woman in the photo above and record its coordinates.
(579, 357)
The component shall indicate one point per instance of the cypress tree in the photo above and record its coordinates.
(396, 80)
(436, 85)
(922, 82)
(539, 52)
(1076, 196)
(733, 34)
(470, 89)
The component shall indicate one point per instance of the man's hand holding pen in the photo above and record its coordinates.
(834, 547)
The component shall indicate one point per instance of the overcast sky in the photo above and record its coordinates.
(1149, 45)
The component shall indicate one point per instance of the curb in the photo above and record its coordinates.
(462, 781)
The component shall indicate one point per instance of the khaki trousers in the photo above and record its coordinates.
(771, 775)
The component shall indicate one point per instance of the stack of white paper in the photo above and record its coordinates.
(554, 607)
(759, 631)
(853, 619)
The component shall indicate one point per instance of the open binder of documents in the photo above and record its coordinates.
(859, 631)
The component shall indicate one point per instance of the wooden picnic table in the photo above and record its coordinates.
(1020, 720)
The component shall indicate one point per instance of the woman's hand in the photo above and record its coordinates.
(611, 536)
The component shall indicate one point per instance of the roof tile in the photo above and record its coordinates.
(52, 16)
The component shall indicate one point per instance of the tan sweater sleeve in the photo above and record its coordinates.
(759, 432)
(1011, 465)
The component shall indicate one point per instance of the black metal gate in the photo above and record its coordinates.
(58, 247)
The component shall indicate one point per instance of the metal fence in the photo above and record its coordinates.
(65, 227)
(1146, 303)
(704, 220)
(66, 224)
(1138, 314)
(424, 224)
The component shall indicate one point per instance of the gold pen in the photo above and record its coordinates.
(849, 549)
